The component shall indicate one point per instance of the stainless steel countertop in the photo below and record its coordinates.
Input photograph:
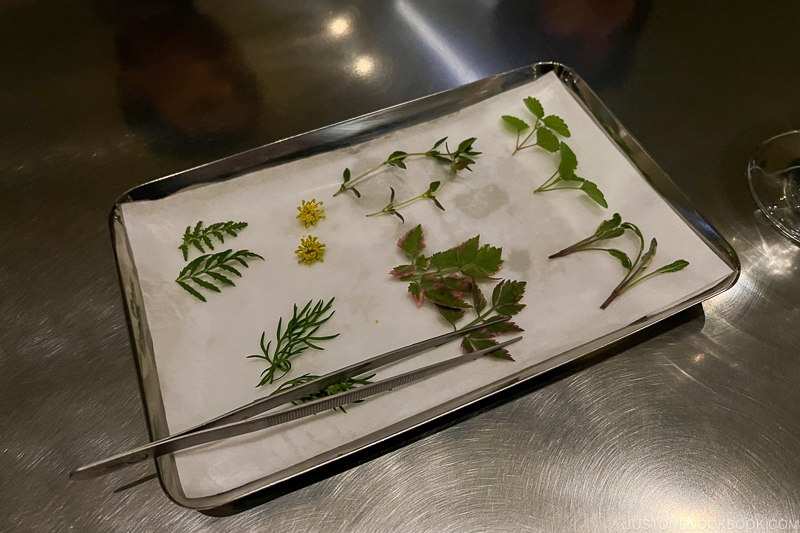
(698, 426)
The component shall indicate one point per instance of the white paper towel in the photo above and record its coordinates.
(201, 348)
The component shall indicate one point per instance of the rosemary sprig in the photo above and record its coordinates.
(565, 178)
(611, 229)
(200, 236)
(299, 335)
(211, 271)
(336, 388)
(545, 128)
(449, 280)
(458, 160)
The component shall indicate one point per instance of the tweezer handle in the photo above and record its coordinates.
(235, 429)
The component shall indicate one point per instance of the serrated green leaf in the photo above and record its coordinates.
(452, 315)
(422, 262)
(498, 328)
(445, 260)
(519, 125)
(478, 299)
(569, 161)
(473, 343)
(534, 106)
(191, 291)
(508, 292)
(556, 124)
(415, 290)
(413, 242)
(594, 193)
(467, 251)
(489, 259)
(446, 297)
(205, 284)
(546, 140)
(457, 283)
(221, 278)
(622, 256)
(675, 266)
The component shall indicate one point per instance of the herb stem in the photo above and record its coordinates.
(366, 174)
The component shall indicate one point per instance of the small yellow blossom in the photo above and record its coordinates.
(310, 250)
(310, 213)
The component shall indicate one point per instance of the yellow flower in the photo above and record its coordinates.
(310, 250)
(310, 213)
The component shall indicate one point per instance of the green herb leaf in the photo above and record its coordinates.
(445, 260)
(547, 140)
(569, 162)
(205, 270)
(412, 243)
(519, 125)
(474, 342)
(446, 297)
(609, 224)
(557, 124)
(452, 315)
(466, 144)
(299, 334)
(622, 256)
(675, 266)
(200, 236)
(594, 193)
(346, 175)
(534, 106)
(489, 259)
(479, 300)
(438, 143)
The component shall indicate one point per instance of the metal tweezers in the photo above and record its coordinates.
(245, 420)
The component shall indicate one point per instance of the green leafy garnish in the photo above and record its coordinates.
(544, 128)
(201, 237)
(336, 388)
(299, 335)
(458, 160)
(565, 178)
(449, 281)
(612, 229)
(212, 271)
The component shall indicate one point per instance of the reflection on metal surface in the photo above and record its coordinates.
(448, 57)
(364, 66)
(340, 26)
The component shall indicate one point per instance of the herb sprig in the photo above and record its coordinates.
(212, 271)
(459, 160)
(611, 229)
(299, 335)
(449, 280)
(336, 388)
(201, 237)
(565, 178)
(545, 128)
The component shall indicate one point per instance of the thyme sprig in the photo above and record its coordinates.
(565, 178)
(611, 229)
(336, 388)
(545, 128)
(450, 280)
(212, 271)
(459, 160)
(200, 237)
(299, 335)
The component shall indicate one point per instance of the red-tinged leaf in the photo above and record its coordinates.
(498, 328)
(509, 309)
(467, 251)
(416, 293)
(445, 296)
(457, 283)
(445, 260)
(478, 299)
(402, 271)
(473, 343)
(413, 242)
(450, 314)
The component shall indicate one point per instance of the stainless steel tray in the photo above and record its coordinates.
(350, 133)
